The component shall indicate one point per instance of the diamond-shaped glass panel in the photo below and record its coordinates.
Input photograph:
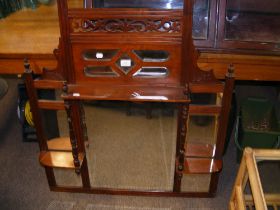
(151, 72)
(125, 63)
(99, 71)
(99, 54)
(152, 55)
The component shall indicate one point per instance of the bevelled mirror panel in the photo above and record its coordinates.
(99, 54)
(202, 129)
(256, 21)
(207, 98)
(151, 72)
(99, 71)
(201, 17)
(119, 156)
(125, 63)
(152, 55)
(155, 4)
(64, 177)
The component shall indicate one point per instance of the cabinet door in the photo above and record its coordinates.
(249, 24)
(204, 22)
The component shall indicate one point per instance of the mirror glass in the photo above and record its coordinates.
(99, 71)
(131, 145)
(207, 98)
(201, 16)
(152, 55)
(151, 72)
(64, 177)
(202, 133)
(99, 54)
(156, 4)
(245, 18)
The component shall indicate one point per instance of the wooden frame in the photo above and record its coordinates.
(128, 30)
(206, 158)
(209, 42)
(61, 152)
(237, 45)
(248, 172)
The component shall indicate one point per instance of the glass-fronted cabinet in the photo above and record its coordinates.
(204, 18)
(249, 24)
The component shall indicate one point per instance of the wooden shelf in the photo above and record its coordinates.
(58, 159)
(60, 144)
(206, 88)
(127, 93)
(202, 165)
(199, 150)
(51, 104)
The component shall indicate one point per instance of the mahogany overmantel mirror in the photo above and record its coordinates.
(118, 60)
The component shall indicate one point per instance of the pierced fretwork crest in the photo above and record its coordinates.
(165, 25)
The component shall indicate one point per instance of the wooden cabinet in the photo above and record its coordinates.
(250, 26)
(204, 23)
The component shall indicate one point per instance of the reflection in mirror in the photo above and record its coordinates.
(152, 55)
(46, 94)
(151, 72)
(99, 54)
(67, 177)
(99, 71)
(244, 19)
(207, 98)
(201, 13)
(50, 94)
(195, 182)
(156, 4)
(131, 152)
(202, 129)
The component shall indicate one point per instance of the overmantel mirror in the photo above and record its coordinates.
(120, 60)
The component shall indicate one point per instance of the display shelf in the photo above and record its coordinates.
(199, 150)
(51, 104)
(59, 144)
(58, 159)
(202, 166)
(127, 93)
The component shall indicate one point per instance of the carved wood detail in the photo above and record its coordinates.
(84, 125)
(180, 150)
(73, 140)
(201, 76)
(57, 72)
(163, 25)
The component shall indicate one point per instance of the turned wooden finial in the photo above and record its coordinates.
(231, 70)
(186, 90)
(65, 88)
(27, 68)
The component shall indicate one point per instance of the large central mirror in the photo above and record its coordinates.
(132, 146)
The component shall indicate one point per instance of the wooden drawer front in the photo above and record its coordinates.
(121, 63)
